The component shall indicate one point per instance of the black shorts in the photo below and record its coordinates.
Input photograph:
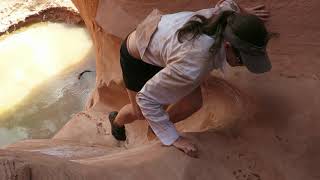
(135, 72)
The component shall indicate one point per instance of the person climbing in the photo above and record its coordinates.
(167, 57)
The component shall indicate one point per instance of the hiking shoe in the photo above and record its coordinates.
(118, 132)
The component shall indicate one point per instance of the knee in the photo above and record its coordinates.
(198, 105)
(195, 100)
(136, 112)
(139, 115)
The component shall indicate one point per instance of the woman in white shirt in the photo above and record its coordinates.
(165, 60)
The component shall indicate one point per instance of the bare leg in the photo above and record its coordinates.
(129, 112)
(126, 115)
(186, 106)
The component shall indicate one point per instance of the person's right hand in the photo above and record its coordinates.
(261, 11)
(219, 2)
(186, 146)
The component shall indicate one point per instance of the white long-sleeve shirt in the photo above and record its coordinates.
(185, 65)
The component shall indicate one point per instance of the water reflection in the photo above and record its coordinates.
(40, 89)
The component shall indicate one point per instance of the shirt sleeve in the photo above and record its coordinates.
(228, 5)
(172, 83)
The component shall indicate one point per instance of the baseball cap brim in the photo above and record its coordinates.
(256, 63)
(254, 58)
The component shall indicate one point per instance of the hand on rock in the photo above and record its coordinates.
(186, 146)
(219, 2)
(259, 11)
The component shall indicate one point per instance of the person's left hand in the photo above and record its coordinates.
(259, 11)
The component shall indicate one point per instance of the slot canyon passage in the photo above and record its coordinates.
(251, 127)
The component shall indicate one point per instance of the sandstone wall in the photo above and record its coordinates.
(275, 115)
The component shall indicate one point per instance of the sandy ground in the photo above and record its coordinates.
(251, 127)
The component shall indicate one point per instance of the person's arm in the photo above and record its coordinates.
(171, 84)
(259, 10)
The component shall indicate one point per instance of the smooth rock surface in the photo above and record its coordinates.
(251, 127)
